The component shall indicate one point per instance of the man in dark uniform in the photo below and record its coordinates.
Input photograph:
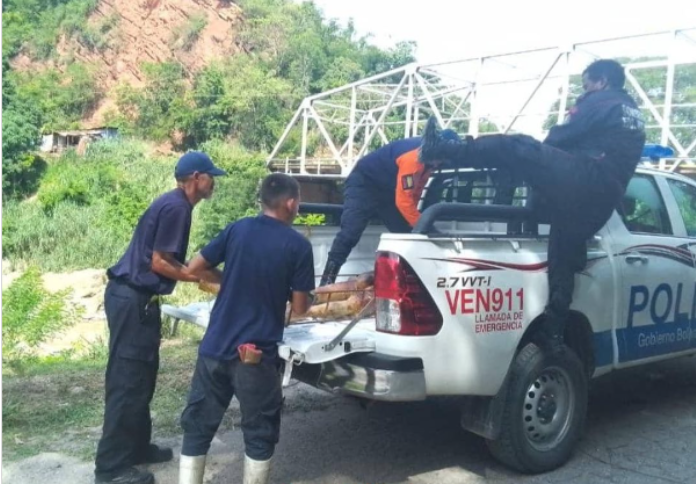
(581, 172)
(386, 183)
(150, 267)
(266, 261)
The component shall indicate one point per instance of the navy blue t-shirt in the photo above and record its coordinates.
(164, 227)
(379, 167)
(264, 261)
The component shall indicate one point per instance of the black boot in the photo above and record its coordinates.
(436, 148)
(330, 273)
(155, 455)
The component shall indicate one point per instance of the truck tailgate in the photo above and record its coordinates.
(310, 342)
(302, 342)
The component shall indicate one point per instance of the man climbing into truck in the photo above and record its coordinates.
(387, 184)
(579, 173)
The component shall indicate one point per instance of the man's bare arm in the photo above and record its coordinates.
(165, 264)
(200, 268)
(301, 302)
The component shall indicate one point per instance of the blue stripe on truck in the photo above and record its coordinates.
(604, 350)
(641, 342)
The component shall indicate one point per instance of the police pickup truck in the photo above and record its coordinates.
(459, 303)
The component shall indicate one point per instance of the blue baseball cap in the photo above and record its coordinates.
(196, 161)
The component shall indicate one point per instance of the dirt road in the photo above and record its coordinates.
(641, 429)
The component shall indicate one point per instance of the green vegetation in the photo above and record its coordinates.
(30, 315)
(85, 207)
(189, 32)
(34, 26)
(56, 404)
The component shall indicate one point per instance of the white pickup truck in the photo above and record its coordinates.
(459, 302)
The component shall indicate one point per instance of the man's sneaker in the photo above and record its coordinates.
(155, 455)
(127, 476)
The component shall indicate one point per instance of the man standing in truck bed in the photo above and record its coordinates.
(386, 184)
(581, 171)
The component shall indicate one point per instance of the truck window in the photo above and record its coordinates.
(477, 187)
(643, 210)
(685, 195)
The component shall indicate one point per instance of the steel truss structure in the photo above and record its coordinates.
(504, 93)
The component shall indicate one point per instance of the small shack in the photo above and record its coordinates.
(57, 141)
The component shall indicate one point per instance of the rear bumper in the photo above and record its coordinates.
(374, 376)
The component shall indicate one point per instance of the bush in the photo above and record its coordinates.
(122, 152)
(124, 207)
(30, 315)
(86, 208)
(77, 180)
(23, 176)
(71, 237)
(93, 38)
(310, 220)
(58, 189)
(235, 195)
(191, 30)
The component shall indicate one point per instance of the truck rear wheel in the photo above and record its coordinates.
(544, 410)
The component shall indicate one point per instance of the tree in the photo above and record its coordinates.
(156, 109)
(62, 99)
(653, 83)
(20, 134)
(242, 99)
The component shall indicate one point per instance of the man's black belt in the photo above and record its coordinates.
(123, 280)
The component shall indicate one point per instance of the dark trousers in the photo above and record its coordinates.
(572, 193)
(258, 389)
(363, 202)
(131, 374)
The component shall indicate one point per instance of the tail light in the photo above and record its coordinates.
(404, 306)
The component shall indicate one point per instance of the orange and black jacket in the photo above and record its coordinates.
(394, 169)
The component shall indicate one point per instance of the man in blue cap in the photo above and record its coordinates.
(152, 264)
(386, 184)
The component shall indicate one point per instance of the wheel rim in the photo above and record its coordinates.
(549, 406)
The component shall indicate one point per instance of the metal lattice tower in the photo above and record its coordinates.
(503, 93)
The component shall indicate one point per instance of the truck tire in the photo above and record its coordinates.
(544, 410)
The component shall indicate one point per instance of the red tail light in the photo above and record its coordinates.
(404, 306)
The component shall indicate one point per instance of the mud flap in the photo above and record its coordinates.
(483, 415)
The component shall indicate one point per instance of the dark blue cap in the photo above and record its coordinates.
(449, 134)
(196, 161)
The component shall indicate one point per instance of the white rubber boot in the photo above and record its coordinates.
(191, 469)
(256, 471)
